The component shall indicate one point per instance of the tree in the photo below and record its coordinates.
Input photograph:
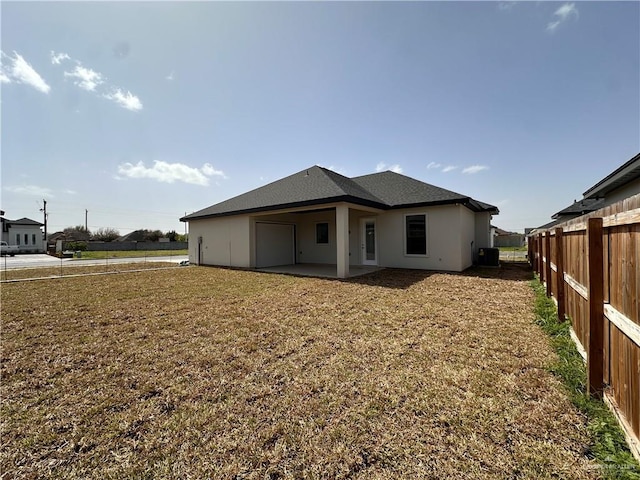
(151, 235)
(105, 234)
(77, 233)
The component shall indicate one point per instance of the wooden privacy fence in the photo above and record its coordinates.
(591, 268)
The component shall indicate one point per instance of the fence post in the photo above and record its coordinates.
(560, 274)
(540, 259)
(547, 267)
(595, 351)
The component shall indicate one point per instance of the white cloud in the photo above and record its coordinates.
(21, 72)
(563, 13)
(208, 170)
(86, 78)
(90, 80)
(474, 169)
(30, 190)
(449, 168)
(170, 76)
(383, 166)
(57, 58)
(125, 100)
(4, 78)
(506, 5)
(170, 172)
(433, 165)
(70, 192)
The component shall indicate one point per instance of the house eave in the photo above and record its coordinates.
(466, 202)
(621, 176)
(289, 206)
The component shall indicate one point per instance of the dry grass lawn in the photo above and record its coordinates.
(211, 373)
(71, 269)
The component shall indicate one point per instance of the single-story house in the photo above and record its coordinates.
(318, 216)
(25, 233)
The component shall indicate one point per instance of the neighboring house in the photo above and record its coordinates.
(54, 237)
(24, 233)
(502, 238)
(618, 185)
(135, 236)
(142, 236)
(622, 183)
(319, 216)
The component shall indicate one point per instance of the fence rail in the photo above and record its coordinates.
(590, 266)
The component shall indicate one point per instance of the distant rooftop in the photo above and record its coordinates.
(580, 207)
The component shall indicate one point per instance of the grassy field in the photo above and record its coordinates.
(513, 249)
(211, 373)
(132, 253)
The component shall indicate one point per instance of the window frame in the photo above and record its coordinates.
(318, 242)
(406, 237)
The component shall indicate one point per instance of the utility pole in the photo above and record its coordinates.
(44, 210)
(86, 213)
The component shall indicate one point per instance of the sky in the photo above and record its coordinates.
(134, 114)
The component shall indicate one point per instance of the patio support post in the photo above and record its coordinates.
(342, 241)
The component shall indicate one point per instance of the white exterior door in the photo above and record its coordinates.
(368, 241)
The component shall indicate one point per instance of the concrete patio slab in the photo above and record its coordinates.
(319, 270)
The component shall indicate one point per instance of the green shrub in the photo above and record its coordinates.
(76, 246)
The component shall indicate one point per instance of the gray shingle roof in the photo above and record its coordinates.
(399, 190)
(586, 205)
(24, 221)
(317, 186)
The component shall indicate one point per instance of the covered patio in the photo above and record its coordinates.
(320, 270)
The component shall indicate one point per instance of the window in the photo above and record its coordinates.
(33, 239)
(416, 234)
(26, 239)
(17, 239)
(322, 233)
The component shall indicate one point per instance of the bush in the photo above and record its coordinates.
(76, 246)
(105, 234)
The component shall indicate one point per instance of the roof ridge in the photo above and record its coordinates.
(351, 183)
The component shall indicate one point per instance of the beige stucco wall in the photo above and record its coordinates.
(483, 231)
(468, 226)
(444, 244)
(226, 241)
(451, 229)
(308, 250)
